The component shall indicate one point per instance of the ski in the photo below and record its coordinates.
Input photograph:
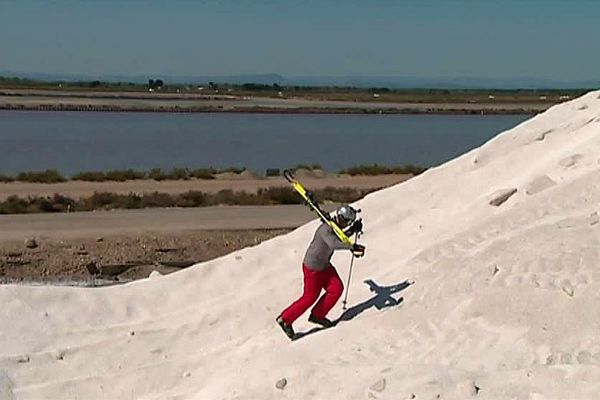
(314, 205)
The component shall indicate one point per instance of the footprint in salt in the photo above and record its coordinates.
(570, 161)
(539, 184)
(543, 135)
(6, 386)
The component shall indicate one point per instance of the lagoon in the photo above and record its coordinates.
(84, 141)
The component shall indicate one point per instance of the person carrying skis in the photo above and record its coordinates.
(320, 274)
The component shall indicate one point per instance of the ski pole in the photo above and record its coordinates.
(349, 276)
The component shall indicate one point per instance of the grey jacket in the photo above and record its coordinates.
(320, 250)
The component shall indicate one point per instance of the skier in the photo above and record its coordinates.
(320, 274)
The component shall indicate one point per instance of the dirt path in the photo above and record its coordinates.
(163, 220)
(89, 248)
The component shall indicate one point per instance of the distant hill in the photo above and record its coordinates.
(361, 81)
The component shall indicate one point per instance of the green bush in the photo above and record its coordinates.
(376, 169)
(340, 195)
(179, 174)
(62, 203)
(97, 201)
(6, 178)
(176, 174)
(225, 196)
(41, 204)
(280, 195)
(243, 198)
(47, 176)
(273, 172)
(157, 174)
(124, 175)
(13, 205)
(193, 198)
(129, 201)
(203, 173)
(105, 200)
(90, 176)
(235, 170)
(157, 199)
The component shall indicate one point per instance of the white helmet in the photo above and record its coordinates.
(345, 213)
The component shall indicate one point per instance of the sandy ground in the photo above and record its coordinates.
(67, 243)
(133, 243)
(118, 258)
(165, 220)
(503, 247)
(76, 189)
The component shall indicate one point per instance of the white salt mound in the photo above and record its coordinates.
(506, 300)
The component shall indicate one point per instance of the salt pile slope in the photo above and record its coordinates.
(506, 302)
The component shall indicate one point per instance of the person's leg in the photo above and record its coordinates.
(333, 291)
(313, 283)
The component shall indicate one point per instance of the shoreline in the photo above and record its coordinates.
(115, 101)
(411, 110)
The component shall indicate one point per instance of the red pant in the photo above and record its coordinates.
(314, 282)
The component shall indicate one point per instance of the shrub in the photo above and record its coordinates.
(273, 172)
(376, 169)
(157, 200)
(90, 176)
(235, 170)
(97, 200)
(339, 195)
(410, 169)
(156, 174)
(13, 205)
(203, 173)
(47, 176)
(105, 200)
(193, 198)
(244, 198)
(129, 201)
(124, 175)
(179, 174)
(176, 174)
(280, 195)
(224, 196)
(6, 178)
(63, 203)
(41, 204)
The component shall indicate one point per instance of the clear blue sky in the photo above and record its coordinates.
(552, 39)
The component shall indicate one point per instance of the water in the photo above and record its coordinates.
(85, 141)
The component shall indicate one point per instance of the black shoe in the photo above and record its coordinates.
(324, 322)
(289, 331)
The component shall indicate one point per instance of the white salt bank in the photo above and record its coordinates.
(506, 300)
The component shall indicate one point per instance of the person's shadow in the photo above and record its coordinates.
(383, 299)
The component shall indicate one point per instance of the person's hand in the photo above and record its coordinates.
(355, 227)
(358, 250)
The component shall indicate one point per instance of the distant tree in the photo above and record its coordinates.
(155, 83)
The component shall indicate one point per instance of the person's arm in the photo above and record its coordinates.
(332, 241)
